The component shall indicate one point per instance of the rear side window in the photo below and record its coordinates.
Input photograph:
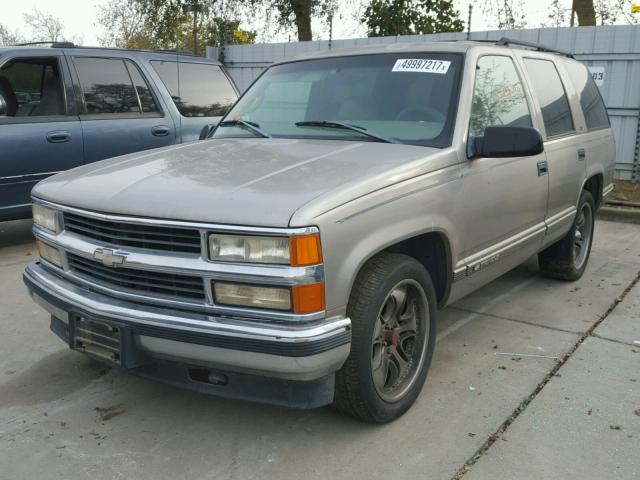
(111, 85)
(197, 89)
(147, 103)
(498, 96)
(551, 95)
(595, 113)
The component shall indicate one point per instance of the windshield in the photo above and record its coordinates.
(401, 97)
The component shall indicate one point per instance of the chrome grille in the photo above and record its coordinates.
(158, 284)
(133, 235)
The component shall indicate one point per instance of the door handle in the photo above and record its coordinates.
(543, 168)
(58, 137)
(581, 154)
(160, 131)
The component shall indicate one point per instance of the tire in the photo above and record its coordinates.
(375, 301)
(561, 260)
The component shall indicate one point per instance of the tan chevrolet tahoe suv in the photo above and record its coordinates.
(300, 254)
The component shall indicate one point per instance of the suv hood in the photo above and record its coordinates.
(259, 182)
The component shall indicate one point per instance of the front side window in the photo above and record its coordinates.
(595, 113)
(498, 96)
(112, 86)
(32, 87)
(551, 96)
(404, 97)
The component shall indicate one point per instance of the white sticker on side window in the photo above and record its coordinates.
(421, 65)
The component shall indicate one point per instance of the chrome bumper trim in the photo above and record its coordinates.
(272, 350)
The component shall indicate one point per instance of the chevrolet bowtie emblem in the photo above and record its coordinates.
(109, 257)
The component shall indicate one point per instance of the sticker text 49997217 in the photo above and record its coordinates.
(421, 65)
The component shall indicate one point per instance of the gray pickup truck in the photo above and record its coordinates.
(300, 254)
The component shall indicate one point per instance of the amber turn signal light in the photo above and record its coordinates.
(305, 250)
(308, 298)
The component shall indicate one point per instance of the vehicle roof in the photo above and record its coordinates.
(46, 50)
(405, 47)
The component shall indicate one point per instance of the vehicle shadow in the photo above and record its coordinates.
(15, 232)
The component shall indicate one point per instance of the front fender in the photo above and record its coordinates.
(354, 232)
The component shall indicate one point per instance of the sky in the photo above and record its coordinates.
(79, 17)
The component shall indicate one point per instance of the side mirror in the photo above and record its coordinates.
(3, 106)
(499, 141)
(206, 131)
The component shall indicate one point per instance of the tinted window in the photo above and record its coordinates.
(106, 86)
(197, 89)
(551, 95)
(168, 73)
(410, 97)
(595, 113)
(205, 91)
(147, 103)
(32, 88)
(498, 96)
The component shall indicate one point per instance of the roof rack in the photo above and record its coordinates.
(53, 44)
(72, 45)
(540, 48)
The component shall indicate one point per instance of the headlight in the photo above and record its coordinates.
(236, 248)
(277, 298)
(49, 253)
(45, 217)
(300, 299)
(296, 251)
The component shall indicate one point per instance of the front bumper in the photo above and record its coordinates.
(251, 352)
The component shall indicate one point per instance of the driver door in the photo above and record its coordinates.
(506, 198)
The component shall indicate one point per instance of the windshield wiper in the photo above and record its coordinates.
(254, 127)
(346, 126)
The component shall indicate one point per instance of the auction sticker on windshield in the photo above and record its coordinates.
(422, 65)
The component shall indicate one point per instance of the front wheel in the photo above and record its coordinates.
(567, 258)
(393, 315)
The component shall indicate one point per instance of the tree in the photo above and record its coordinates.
(166, 24)
(509, 14)
(558, 15)
(8, 37)
(124, 25)
(409, 17)
(609, 12)
(44, 26)
(296, 12)
(585, 11)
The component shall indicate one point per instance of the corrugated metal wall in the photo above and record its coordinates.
(616, 48)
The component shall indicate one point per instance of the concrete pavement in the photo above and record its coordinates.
(64, 416)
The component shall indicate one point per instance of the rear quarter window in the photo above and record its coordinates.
(595, 113)
(197, 89)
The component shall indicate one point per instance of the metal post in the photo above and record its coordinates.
(195, 31)
(469, 22)
(330, 29)
(635, 169)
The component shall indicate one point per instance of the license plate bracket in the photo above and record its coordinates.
(99, 339)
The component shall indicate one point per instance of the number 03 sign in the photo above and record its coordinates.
(598, 75)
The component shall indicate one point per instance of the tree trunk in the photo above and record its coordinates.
(302, 11)
(586, 12)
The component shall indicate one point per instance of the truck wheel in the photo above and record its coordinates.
(393, 316)
(567, 258)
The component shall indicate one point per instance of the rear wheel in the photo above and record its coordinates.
(567, 258)
(392, 310)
